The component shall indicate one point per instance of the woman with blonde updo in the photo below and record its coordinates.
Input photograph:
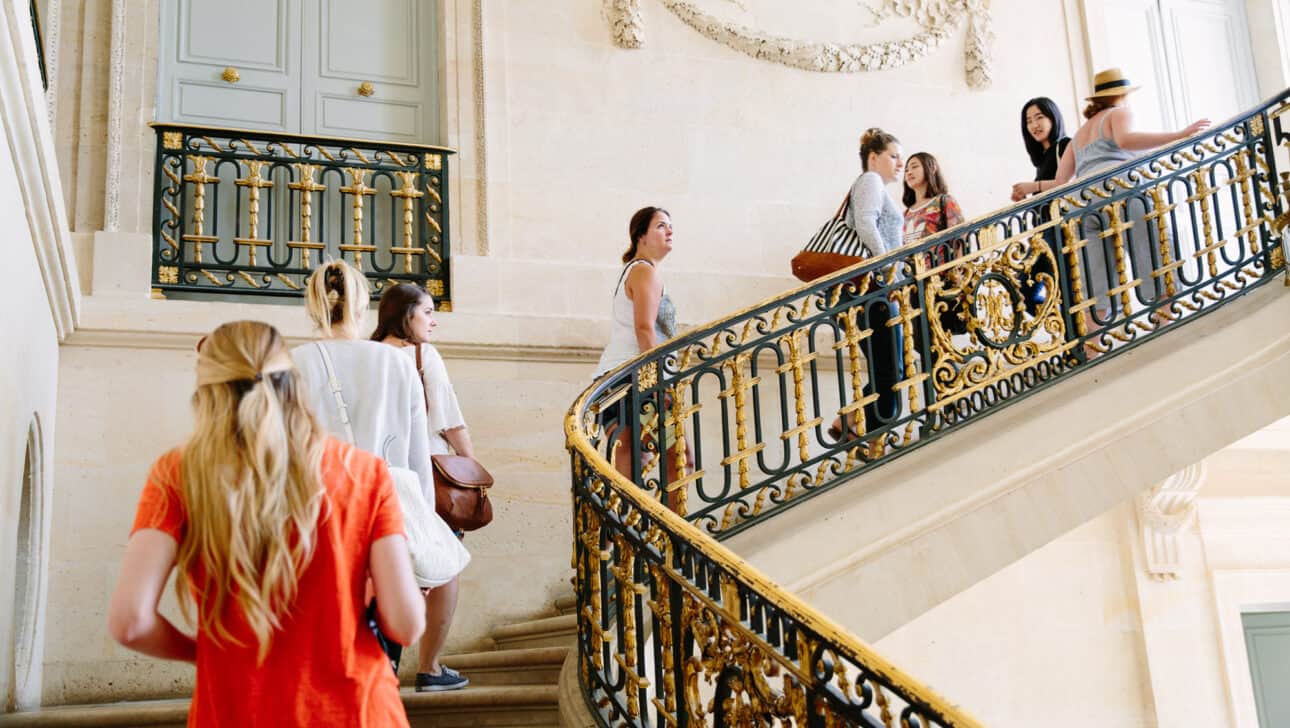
(272, 529)
(377, 395)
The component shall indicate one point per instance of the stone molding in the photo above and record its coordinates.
(1163, 513)
(939, 19)
(26, 120)
(116, 84)
(51, 28)
(106, 338)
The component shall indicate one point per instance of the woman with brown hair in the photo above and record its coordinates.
(405, 319)
(929, 207)
(372, 391)
(642, 316)
(272, 529)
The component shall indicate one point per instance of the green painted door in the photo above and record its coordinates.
(1267, 640)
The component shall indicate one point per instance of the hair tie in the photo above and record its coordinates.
(259, 377)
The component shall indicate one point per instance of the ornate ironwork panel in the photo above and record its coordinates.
(714, 431)
(254, 212)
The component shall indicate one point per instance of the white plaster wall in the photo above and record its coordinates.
(28, 378)
(1078, 633)
(1054, 639)
(749, 156)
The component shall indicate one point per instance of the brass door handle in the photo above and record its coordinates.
(231, 75)
(366, 88)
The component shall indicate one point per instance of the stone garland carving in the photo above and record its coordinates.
(1163, 513)
(939, 19)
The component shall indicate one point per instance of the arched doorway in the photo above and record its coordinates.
(20, 691)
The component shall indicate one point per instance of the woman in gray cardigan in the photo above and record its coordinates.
(878, 220)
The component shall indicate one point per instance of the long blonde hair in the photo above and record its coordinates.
(336, 298)
(251, 480)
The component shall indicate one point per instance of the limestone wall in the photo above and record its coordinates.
(40, 304)
(1079, 633)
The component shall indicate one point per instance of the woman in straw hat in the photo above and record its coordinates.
(1107, 138)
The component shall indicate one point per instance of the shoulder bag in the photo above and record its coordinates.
(836, 245)
(461, 483)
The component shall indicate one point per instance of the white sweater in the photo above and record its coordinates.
(382, 393)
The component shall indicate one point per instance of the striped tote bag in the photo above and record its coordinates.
(835, 246)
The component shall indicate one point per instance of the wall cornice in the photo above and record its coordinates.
(26, 122)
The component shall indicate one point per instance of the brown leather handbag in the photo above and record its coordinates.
(461, 483)
(834, 247)
(461, 492)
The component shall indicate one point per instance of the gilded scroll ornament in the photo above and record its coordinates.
(939, 19)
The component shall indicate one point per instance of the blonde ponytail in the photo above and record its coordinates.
(337, 298)
(251, 482)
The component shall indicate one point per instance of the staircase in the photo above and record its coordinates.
(512, 685)
(703, 592)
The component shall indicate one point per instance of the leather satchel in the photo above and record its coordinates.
(461, 483)
(461, 492)
(834, 246)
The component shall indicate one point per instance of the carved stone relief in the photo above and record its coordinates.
(1163, 512)
(939, 19)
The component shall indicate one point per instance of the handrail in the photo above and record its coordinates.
(254, 212)
(974, 319)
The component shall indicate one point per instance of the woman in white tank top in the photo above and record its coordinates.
(643, 315)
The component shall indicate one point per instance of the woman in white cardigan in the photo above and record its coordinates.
(383, 402)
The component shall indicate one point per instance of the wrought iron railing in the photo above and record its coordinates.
(252, 212)
(673, 628)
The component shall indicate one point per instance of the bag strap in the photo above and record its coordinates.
(842, 209)
(623, 276)
(421, 374)
(341, 408)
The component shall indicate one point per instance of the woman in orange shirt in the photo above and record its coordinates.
(272, 528)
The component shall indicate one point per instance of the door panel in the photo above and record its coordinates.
(349, 116)
(208, 103)
(242, 33)
(253, 40)
(1210, 46)
(1267, 642)
(319, 67)
(370, 70)
(374, 41)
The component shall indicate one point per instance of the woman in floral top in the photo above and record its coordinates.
(929, 208)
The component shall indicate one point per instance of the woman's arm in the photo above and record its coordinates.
(1122, 132)
(1065, 169)
(133, 619)
(400, 610)
(459, 438)
(645, 289)
(867, 196)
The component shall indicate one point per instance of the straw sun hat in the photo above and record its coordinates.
(1111, 82)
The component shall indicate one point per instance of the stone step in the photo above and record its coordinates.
(548, 632)
(566, 604)
(499, 706)
(532, 666)
(487, 706)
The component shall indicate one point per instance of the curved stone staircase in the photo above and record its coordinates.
(736, 591)
(514, 684)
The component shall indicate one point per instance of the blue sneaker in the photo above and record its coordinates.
(448, 679)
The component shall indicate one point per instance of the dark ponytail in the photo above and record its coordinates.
(638, 227)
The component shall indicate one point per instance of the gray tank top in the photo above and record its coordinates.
(1099, 154)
